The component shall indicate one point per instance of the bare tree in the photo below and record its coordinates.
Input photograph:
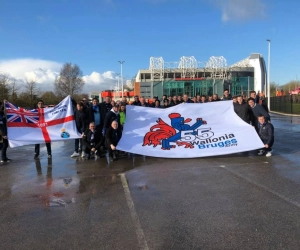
(5, 87)
(31, 91)
(14, 91)
(69, 81)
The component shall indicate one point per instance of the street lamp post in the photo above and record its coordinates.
(269, 87)
(121, 62)
(117, 74)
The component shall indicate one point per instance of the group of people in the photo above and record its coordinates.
(171, 101)
(255, 111)
(252, 110)
(101, 124)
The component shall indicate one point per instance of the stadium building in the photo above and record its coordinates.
(189, 76)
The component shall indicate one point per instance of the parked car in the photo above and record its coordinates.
(296, 91)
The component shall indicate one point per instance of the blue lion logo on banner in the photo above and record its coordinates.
(163, 134)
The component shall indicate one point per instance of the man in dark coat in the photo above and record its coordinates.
(112, 137)
(112, 115)
(3, 135)
(143, 102)
(174, 101)
(81, 120)
(226, 95)
(244, 111)
(136, 101)
(105, 106)
(155, 98)
(266, 134)
(92, 140)
(94, 114)
(259, 100)
(258, 110)
(186, 99)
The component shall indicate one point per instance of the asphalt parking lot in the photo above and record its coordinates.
(239, 201)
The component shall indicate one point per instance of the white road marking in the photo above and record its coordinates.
(138, 228)
(297, 204)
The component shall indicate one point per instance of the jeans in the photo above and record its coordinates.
(4, 149)
(37, 148)
(78, 143)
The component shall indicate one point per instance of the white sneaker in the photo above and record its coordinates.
(269, 154)
(75, 154)
(261, 152)
(82, 155)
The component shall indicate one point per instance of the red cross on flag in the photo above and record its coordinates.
(25, 127)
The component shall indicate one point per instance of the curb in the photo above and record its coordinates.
(284, 114)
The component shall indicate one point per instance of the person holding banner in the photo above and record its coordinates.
(3, 135)
(266, 134)
(40, 105)
(244, 111)
(92, 140)
(112, 137)
(81, 120)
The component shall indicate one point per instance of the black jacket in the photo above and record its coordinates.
(92, 139)
(266, 133)
(245, 112)
(189, 101)
(136, 103)
(105, 108)
(224, 98)
(145, 104)
(259, 110)
(112, 136)
(81, 120)
(172, 103)
(109, 118)
(3, 124)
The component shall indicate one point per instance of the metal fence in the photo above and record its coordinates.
(286, 104)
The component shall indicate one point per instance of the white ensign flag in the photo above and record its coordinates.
(25, 127)
(187, 130)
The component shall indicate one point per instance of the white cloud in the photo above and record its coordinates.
(18, 68)
(241, 10)
(45, 72)
(98, 82)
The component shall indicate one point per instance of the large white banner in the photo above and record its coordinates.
(35, 126)
(187, 130)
